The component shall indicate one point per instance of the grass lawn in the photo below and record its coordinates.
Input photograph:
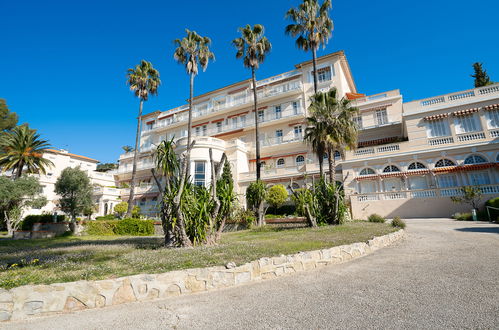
(68, 259)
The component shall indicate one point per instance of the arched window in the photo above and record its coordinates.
(416, 166)
(300, 160)
(390, 169)
(474, 159)
(444, 162)
(367, 171)
(281, 162)
(337, 155)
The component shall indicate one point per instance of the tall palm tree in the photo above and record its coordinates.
(316, 134)
(313, 26)
(127, 148)
(253, 46)
(22, 148)
(143, 81)
(192, 50)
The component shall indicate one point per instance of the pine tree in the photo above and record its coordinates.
(481, 76)
(8, 119)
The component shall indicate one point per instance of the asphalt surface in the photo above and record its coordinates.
(444, 274)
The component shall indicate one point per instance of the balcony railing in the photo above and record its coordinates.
(377, 150)
(423, 193)
(494, 133)
(470, 136)
(440, 140)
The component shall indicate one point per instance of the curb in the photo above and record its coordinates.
(28, 301)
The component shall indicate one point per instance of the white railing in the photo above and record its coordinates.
(140, 166)
(471, 136)
(462, 95)
(395, 195)
(423, 194)
(278, 77)
(489, 89)
(388, 148)
(494, 133)
(440, 141)
(365, 198)
(433, 101)
(375, 150)
(364, 151)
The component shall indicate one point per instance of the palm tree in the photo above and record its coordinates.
(143, 81)
(252, 46)
(313, 26)
(191, 51)
(22, 148)
(127, 148)
(316, 134)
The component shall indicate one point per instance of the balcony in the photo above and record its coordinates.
(470, 136)
(448, 100)
(106, 191)
(440, 140)
(140, 167)
(373, 151)
(422, 193)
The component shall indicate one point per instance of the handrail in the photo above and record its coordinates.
(488, 212)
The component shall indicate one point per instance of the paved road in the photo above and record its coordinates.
(445, 274)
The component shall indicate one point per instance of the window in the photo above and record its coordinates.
(474, 159)
(199, 173)
(298, 132)
(219, 127)
(416, 166)
(198, 131)
(150, 125)
(205, 130)
(261, 116)
(467, 124)
(391, 169)
(444, 162)
(242, 119)
(477, 178)
(234, 122)
(436, 128)
(278, 112)
(358, 121)
(154, 199)
(142, 202)
(278, 135)
(281, 162)
(447, 181)
(300, 160)
(367, 171)
(324, 74)
(492, 118)
(296, 108)
(381, 118)
(337, 154)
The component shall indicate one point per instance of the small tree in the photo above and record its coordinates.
(136, 212)
(8, 119)
(480, 75)
(255, 198)
(73, 185)
(276, 196)
(120, 209)
(16, 196)
(470, 195)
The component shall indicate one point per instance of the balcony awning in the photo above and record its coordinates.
(378, 141)
(367, 177)
(465, 112)
(491, 107)
(436, 117)
(392, 175)
(353, 96)
(418, 172)
(471, 167)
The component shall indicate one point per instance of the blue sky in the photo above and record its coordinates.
(63, 63)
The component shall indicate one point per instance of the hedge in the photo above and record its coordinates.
(29, 220)
(128, 227)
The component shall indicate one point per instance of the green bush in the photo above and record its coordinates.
(462, 216)
(376, 218)
(398, 223)
(128, 227)
(106, 217)
(274, 216)
(135, 227)
(29, 220)
(243, 217)
(494, 214)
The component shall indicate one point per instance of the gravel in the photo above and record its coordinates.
(444, 275)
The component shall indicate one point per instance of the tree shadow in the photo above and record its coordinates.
(493, 230)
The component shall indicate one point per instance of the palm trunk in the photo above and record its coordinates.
(134, 166)
(19, 171)
(314, 62)
(332, 165)
(257, 136)
(10, 228)
(321, 166)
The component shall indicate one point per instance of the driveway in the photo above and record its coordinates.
(445, 274)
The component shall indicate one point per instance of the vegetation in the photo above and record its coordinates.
(480, 75)
(313, 27)
(470, 195)
(21, 148)
(8, 119)
(127, 148)
(106, 167)
(15, 197)
(494, 213)
(96, 257)
(256, 193)
(120, 209)
(29, 220)
(252, 47)
(125, 227)
(136, 212)
(397, 222)
(462, 216)
(276, 196)
(73, 185)
(376, 218)
(143, 81)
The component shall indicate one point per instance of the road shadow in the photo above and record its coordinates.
(492, 230)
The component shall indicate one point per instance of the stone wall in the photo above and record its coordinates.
(34, 300)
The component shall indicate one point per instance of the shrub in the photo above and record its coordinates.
(276, 196)
(462, 216)
(243, 217)
(121, 209)
(135, 227)
(494, 214)
(29, 220)
(398, 223)
(376, 218)
(129, 227)
(136, 212)
(106, 217)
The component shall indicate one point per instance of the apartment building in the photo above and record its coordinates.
(105, 194)
(379, 175)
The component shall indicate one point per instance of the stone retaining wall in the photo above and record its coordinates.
(34, 300)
